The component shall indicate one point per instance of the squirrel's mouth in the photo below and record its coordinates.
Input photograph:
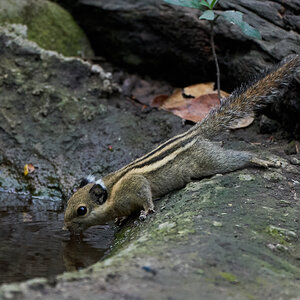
(75, 229)
(64, 228)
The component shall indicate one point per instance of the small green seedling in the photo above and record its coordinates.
(211, 15)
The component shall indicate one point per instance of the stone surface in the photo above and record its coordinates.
(65, 117)
(267, 125)
(170, 42)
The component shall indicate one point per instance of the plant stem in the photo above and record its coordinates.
(212, 44)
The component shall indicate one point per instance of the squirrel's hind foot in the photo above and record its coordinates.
(265, 163)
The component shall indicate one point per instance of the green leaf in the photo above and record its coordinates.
(251, 31)
(204, 3)
(232, 16)
(208, 15)
(185, 3)
(236, 17)
(212, 3)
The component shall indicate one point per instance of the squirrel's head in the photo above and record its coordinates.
(87, 206)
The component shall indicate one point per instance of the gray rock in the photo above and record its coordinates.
(267, 125)
(61, 115)
(170, 42)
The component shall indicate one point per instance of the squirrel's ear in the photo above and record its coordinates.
(98, 194)
(83, 182)
(86, 180)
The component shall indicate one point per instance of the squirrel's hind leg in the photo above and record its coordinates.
(214, 159)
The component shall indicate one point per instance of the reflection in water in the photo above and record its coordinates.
(79, 254)
(32, 243)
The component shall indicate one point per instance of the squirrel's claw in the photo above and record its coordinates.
(120, 221)
(144, 214)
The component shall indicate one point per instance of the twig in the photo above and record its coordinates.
(212, 43)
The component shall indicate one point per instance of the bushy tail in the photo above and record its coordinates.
(248, 98)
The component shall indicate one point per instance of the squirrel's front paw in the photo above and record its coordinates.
(120, 221)
(144, 214)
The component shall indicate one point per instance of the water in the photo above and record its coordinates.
(32, 243)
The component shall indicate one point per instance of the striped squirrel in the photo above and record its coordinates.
(176, 162)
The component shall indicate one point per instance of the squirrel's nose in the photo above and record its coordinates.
(64, 227)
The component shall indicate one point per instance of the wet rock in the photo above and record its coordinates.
(56, 115)
(149, 261)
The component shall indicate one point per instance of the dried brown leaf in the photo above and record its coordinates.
(191, 103)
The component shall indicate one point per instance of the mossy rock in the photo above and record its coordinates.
(49, 25)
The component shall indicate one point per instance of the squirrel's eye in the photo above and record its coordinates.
(81, 211)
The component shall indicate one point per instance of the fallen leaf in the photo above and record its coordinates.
(182, 97)
(200, 89)
(196, 109)
(194, 103)
(159, 100)
(28, 168)
(191, 103)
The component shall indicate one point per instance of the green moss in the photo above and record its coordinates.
(54, 29)
(273, 176)
(200, 271)
(281, 234)
(229, 277)
(49, 25)
(246, 177)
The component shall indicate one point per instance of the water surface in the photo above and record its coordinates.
(32, 243)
